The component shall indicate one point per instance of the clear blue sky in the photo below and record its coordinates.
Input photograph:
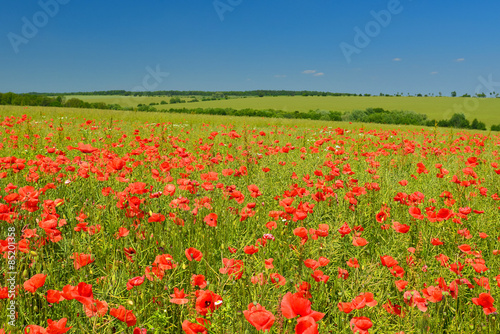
(428, 46)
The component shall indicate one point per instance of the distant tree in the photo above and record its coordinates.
(476, 125)
(73, 103)
(453, 94)
(459, 121)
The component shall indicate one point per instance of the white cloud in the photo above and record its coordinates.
(433, 73)
(319, 74)
(309, 71)
(459, 60)
(397, 59)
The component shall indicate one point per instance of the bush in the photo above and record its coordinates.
(476, 125)
(459, 121)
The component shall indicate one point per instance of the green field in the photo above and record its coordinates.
(59, 115)
(486, 110)
(164, 222)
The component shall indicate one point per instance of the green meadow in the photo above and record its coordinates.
(486, 110)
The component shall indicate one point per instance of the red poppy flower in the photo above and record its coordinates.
(295, 304)
(436, 242)
(178, 297)
(319, 277)
(400, 228)
(199, 281)
(345, 307)
(353, 263)
(306, 325)
(433, 294)
(84, 148)
(269, 263)
(361, 325)
(156, 218)
(96, 308)
(57, 327)
(122, 233)
(136, 281)
(359, 242)
(310, 263)
(54, 296)
(416, 213)
(250, 250)
(34, 283)
(259, 317)
(485, 300)
(232, 267)
(193, 328)
(207, 301)
(388, 261)
(397, 271)
(169, 190)
(34, 329)
(401, 285)
(259, 279)
(211, 219)
(464, 248)
(271, 225)
(81, 260)
(122, 314)
(193, 254)
(277, 279)
(84, 293)
(343, 273)
(364, 299)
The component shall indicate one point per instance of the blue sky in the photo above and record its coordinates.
(425, 47)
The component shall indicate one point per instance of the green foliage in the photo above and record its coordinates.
(495, 127)
(175, 100)
(476, 125)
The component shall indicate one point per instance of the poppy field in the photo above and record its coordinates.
(179, 224)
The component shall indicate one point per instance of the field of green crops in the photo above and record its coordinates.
(487, 110)
(129, 222)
